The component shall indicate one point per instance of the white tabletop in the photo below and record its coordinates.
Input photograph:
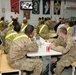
(42, 50)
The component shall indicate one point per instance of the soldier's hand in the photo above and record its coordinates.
(51, 45)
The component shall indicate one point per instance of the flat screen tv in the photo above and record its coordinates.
(25, 5)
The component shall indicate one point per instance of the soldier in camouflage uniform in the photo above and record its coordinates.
(39, 20)
(21, 45)
(24, 25)
(68, 50)
(9, 37)
(49, 24)
(43, 31)
(3, 35)
(2, 24)
(4, 32)
(69, 29)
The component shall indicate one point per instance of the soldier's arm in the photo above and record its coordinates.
(70, 44)
(32, 46)
(57, 41)
(63, 50)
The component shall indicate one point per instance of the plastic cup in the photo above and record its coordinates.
(47, 48)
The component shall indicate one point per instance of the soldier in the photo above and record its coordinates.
(39, 20)
(10, 35)
(2, 24)
(43, 30)
(68, 50)
(24, 25)
(10, 23)
(4, 32)
(21, 45)
(56, 26)
(69, 29)
(49, 23)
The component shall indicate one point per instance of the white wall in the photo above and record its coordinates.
(70, 12)
(34, 18)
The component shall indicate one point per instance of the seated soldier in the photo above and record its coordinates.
(24, 24)
(42, 30)
(2, 24)
(10, 35)
(68, 50)
(21, 45)
(3, 34)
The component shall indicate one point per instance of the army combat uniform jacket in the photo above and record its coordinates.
(68, 53)
(17, 56)
(8, 39)
(43, 31)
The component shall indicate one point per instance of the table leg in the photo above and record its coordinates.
(50, 66)
(46, 63)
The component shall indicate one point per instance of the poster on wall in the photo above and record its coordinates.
(14, 6)
(27, 14)
(36, 7)
(46, 6)
(57, 7)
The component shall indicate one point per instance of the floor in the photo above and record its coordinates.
(68, 71)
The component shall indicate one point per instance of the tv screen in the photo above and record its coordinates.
(25, 5)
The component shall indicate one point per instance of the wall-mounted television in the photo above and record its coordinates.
(25, 5)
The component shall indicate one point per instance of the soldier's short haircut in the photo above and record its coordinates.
(2, 18)
(39, 18)
(63, 30)
(17, 27)
(29, 29)
(25, 21)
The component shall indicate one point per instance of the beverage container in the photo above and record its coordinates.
(47, 48)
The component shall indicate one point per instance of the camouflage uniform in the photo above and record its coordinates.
(39, 22)
(45, 31)
(69, 54)
(49, 24)
(10, 23)
(4, 32)
(70, 31)
(60, 41)
(2, 25)
(23, 27)
(8, 41)
(17, 56)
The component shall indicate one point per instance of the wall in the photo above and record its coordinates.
(70, 12)
(34, 18)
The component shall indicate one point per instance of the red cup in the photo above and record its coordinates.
(47, 48)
